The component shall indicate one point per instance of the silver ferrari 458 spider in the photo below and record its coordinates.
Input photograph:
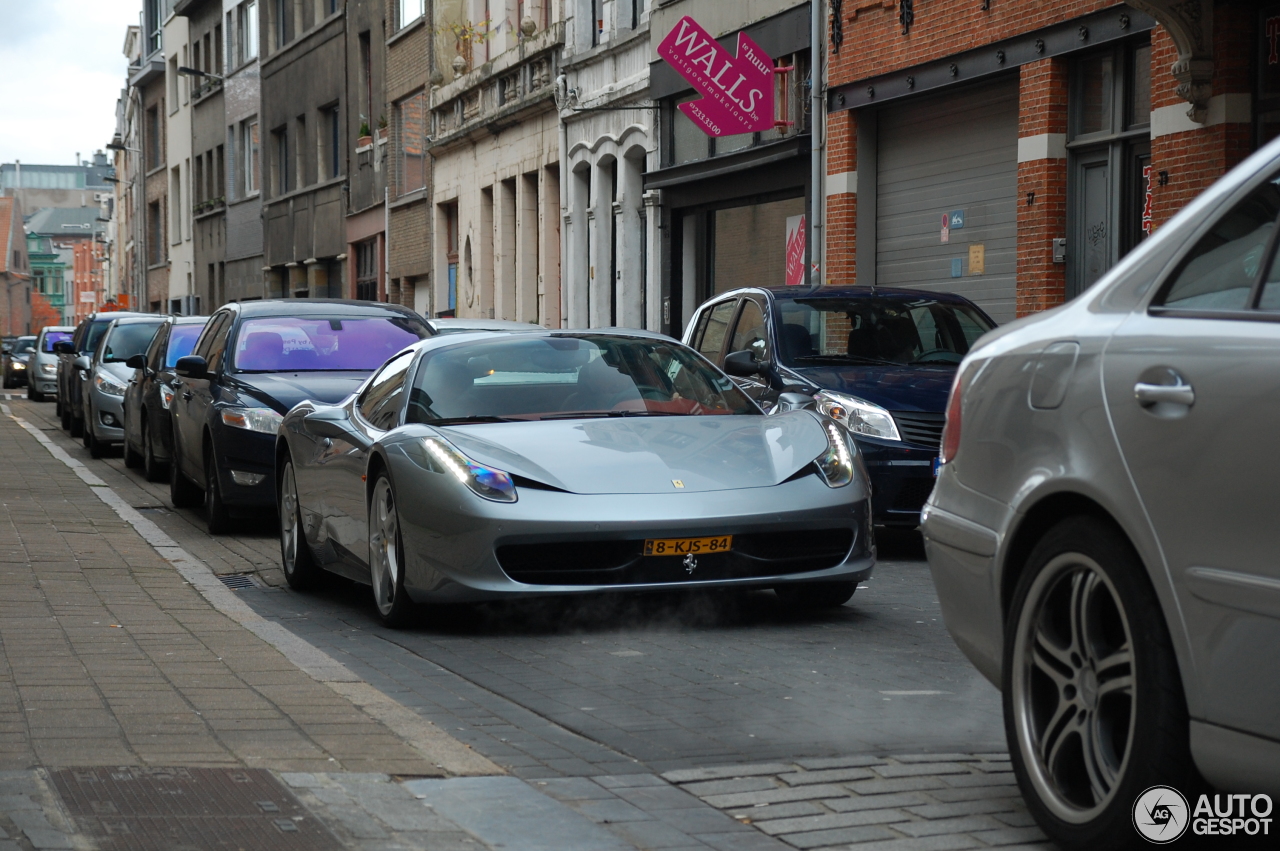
(485, 466)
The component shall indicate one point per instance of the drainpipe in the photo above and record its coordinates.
(561, 101)
(816, 100)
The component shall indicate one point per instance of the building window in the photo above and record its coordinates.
(299, 148)
(247, 30)
(410, 11)
(1108, 159)
(328, 145)
(367, 270)
(219, 173)
(173, 83)
(411, 142)
(280, 155)
(450, 212)
(250, 156)
(154, 137)
(199, 194)
(217, 50)
(155, 233)
(282, 21)
(175, 204)
(597, 19)
(153, 24)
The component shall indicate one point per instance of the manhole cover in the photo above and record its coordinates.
(188, 809)
(238, 581)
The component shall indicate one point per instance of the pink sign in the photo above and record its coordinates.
(737, 91)
(795, 251)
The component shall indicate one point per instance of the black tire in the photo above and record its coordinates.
(57, 410)
(816, 595)
(386, 556)
(301, 570)
(86, 434)
(183, 493)
(1090, 676)
(152, 468)
(76, 429)
(216, 516)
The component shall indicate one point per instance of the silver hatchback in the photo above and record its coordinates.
(1104, 534)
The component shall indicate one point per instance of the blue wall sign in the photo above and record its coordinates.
(957, 219)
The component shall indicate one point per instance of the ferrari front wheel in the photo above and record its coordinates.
(386, 557)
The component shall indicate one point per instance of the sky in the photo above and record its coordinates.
(63, 69)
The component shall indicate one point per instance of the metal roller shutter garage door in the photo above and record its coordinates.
(957, 151)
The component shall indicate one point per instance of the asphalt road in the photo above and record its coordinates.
(627, 684)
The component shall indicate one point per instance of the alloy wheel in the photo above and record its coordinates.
(384, 547)
(289, 530)
(1073, 682)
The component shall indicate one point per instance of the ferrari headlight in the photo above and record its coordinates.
(166, 396)
(108, 384)
(836, 464)
(860, 417)
(484, 481)
(262, 420)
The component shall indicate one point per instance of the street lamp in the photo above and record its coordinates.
(120, 146)
(196, 72)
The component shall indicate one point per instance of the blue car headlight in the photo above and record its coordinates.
(108, 384)
(859, 416)
(484, 481)
(261, 420)
(836, 464)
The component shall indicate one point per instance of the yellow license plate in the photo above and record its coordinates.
(687, 546)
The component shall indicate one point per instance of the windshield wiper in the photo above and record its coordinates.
(846, 358)
(472, 419)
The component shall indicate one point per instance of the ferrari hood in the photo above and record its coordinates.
(648, 454)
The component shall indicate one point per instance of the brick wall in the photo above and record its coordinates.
(408, 69)
(1042, 187)
(842, 208)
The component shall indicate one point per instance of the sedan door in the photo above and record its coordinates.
(751, 334)
(192, 400)
(1193, 391)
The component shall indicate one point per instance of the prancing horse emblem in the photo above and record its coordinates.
(690, 563)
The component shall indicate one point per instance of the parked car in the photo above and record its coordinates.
(73, 371)
(878, 360)
(109, 375)
(147, 432)
(1103, 535)
(16, 361)
(462, 326)
(42, 382)
(500, 466)
(253, 362)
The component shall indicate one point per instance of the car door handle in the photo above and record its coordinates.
(1173, 394)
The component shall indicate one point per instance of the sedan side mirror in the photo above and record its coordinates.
(136, 362)
(81, 363)
(64, 347)
(191, 366)
(328, 422)
(743, 364)
(6, 349)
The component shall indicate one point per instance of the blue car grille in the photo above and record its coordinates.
(754, 555)
(920, 427)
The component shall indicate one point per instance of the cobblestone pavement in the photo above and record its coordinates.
(604, 706)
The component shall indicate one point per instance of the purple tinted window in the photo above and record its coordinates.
(56, 337)
(288, 344)
(182, 339)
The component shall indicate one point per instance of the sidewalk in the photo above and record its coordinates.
(144, 705)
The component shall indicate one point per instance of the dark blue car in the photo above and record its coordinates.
(881, 361)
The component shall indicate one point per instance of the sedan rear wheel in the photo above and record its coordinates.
(386, 563)
(132, 458)
(152, 469)
(300, 568)
(1087, 654)
(217, 518)
(183, 493)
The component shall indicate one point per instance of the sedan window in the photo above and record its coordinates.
(182, 340)
(568, 377)
(1222, 269)
(129, 340)
(750, 333)
(878, 330)
(712, 342)
(54, 337)
(318, 344)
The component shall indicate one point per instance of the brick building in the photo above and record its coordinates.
(408, 75)
(15, 271)
(1013, 150)
(365, 119)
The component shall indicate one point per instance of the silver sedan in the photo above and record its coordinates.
(1103, 533)
(489, 465)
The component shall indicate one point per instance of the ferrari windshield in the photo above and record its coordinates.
(878, 330)
(319, 344)
(568, 377)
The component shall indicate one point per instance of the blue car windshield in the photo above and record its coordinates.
(920, 331)
(182, 339)
(52, 337)
(564, 376)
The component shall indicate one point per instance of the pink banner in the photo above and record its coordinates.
(795, 251)
(737, 91)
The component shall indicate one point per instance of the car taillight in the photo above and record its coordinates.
(951, 431)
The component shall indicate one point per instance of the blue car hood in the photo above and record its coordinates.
(895, 388)
(283, 390)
